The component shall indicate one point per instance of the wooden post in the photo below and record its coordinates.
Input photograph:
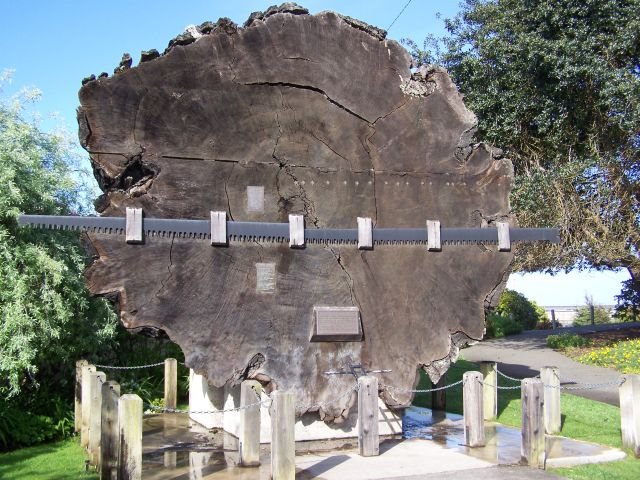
(368, 438)
(553, 319)
(552, 416)
(592, 314)
(96, 379)
(77, 426)
(473, 409)
(489, 390)
(170, 383)
(130, 427)
(249, 440)
(283, 442)
(87, 370)
(439, 397)
(630, 413)
(110, 440)
(533, 440)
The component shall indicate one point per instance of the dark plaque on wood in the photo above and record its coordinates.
(336, 324)
(313, 115)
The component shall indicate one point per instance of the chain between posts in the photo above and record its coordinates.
(426, 390)
(266, 402)
(111, 367)
(587, 386)
(199, 412)
(512, 378)
(584, 386)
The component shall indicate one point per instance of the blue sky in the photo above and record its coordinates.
(52, 45)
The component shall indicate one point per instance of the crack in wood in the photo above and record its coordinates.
(312, 89)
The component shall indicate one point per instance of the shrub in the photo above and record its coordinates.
(623, 356)
(20, 426)
(600, 314)
(567, 340)
(499, 326)
(518, 308)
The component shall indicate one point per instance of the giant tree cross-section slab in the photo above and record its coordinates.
(308, 114)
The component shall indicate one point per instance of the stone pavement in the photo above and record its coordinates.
(523, 355)
(177, 448)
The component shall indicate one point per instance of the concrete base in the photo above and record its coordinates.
(203, 397)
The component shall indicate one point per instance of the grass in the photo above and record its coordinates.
(619, 350)
(582, 419)
(51, 461)
(627, 469)
(623, 356)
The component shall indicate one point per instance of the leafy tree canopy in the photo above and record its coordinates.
(556, 84)
(47, 319)
(517, 307)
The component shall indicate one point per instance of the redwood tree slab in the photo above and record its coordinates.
(295, 114)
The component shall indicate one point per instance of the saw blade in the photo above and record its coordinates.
(279, 232)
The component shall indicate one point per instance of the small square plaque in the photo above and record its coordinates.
(265, 277)
(255, 199)
(336, 324)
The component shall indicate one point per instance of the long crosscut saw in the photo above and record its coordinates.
(220, 231)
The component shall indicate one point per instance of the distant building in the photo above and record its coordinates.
(566, 314)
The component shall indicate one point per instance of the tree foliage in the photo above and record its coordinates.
(517, 307)
(628, 303)
(556, 84)
(47, 319)
(600, 315)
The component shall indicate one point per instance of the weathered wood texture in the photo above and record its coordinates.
(489, 390)
(439, 397)
(533, 448)
(77, 425)
(368, 438)
(472, 400)
(170, 383)
(630, 413)
(249, 439)
(85, 407)
(109, 431)
(96, 380)
(283, 442)
(295, 114)
(130, 427)
(552, 412)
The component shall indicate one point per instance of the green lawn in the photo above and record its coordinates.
(582, 419)
(51, 461)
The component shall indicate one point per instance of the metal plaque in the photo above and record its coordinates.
(255, 199)
(265, 277)
(336, 324)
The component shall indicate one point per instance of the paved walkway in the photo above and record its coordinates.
(176, 448)
(523, 355)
